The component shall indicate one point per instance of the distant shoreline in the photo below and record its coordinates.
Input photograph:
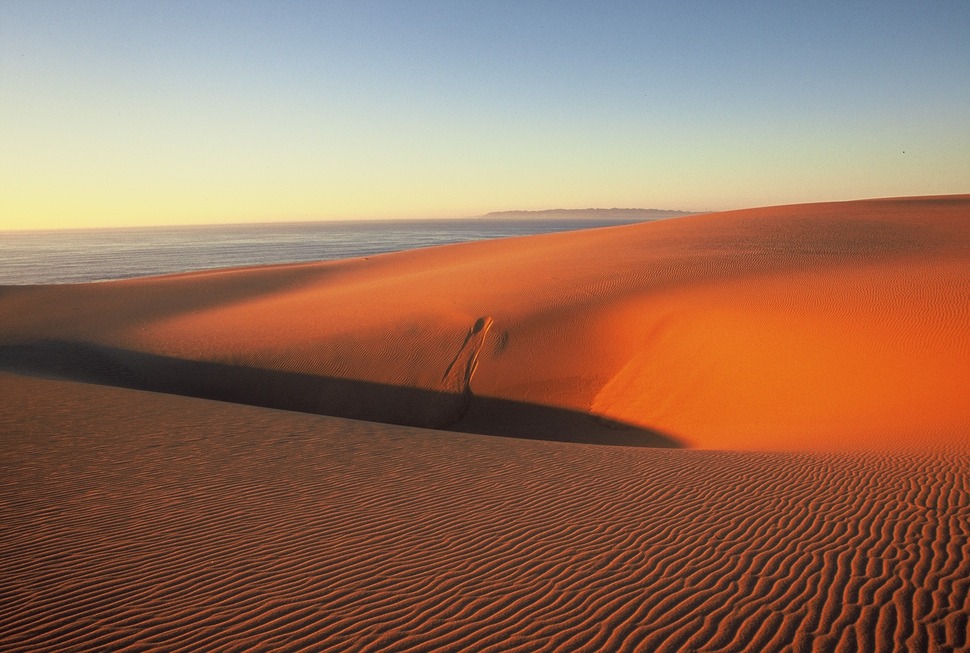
(604, 214)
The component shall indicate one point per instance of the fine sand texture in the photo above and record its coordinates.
(302, 457)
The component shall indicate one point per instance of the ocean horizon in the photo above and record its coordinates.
(94, 255)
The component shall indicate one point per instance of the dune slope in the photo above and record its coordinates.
(779, 328)
(184, 462)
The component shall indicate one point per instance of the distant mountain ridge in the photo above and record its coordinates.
(604, 214)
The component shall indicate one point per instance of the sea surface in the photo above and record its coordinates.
(84, 255)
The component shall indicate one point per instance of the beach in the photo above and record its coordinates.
(746, 430)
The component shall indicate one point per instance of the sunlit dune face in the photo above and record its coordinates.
(847, 357)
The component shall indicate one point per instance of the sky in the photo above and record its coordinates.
(141, 113)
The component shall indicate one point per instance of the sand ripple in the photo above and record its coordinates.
(236, 527)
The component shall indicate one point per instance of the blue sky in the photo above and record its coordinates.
(125, 113)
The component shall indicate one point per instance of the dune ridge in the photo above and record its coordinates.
(242, 459)
(707, 329)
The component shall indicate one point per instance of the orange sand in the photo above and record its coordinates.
(820, 350)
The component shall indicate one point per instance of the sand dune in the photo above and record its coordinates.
(795, 378)
(834, 323)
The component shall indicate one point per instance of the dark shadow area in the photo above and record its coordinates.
(348, 398)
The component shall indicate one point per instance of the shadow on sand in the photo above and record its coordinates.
(376, 402)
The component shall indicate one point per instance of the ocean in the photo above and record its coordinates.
(85, 255)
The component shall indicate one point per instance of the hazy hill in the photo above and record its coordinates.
(587, 214)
